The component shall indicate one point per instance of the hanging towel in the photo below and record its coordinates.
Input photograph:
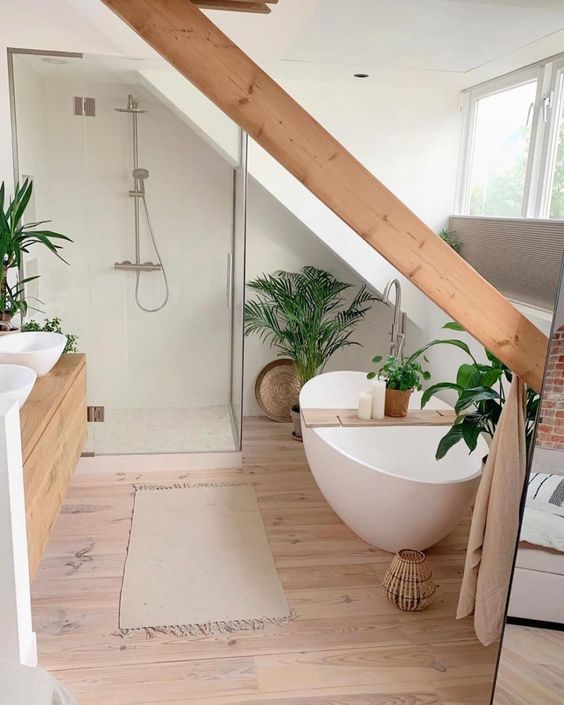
(495, 522)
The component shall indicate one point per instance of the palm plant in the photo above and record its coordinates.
(304, 316)
(15, 239)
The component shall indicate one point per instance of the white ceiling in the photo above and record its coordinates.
(430, 35)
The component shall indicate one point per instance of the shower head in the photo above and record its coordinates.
(141, 174)
(132, 106)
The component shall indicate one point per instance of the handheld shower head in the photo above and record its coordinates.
(140, 173)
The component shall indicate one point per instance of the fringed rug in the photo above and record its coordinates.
(198, 562)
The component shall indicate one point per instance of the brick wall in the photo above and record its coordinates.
(550, 433)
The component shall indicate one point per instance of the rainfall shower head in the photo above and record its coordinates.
(132, 106)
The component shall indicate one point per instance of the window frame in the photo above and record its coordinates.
(549, 75)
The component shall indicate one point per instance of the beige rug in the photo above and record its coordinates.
(199, 562)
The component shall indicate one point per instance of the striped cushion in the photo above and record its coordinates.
(546, 492)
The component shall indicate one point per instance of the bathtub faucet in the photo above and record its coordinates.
(397, 334)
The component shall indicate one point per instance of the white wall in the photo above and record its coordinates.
(179, 356)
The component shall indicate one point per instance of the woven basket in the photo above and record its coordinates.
(409, 582)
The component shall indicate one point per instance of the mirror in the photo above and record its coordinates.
(531, 665)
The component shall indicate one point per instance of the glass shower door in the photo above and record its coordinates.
(237, 294)
(155, 210)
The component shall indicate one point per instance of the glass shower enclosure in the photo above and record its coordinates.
(154, 284)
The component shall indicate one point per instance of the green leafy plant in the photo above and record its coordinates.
(481, 396)
(402, 373)
(15, 239)
(52, 325)
(449, 236)
(304, 316)
(12, 300)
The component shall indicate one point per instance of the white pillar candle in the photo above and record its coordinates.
(365, 405)
(378, 398)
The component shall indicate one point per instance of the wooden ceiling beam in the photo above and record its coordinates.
(184, 36)
(256, 6)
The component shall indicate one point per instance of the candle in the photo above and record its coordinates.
(378, 398)
(365, 405)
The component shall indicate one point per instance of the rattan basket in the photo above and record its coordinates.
(409, 582)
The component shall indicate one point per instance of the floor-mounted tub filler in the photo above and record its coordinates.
(384, 482)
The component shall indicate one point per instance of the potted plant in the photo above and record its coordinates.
(15, 239)
(304, 316)
(449, 236)
(53, 325)
(481, 395)
(402, 376)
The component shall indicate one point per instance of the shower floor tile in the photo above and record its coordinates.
(166, 430)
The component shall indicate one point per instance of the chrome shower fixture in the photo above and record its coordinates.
(138, 194)
(131, 107)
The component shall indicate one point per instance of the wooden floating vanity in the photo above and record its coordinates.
(326, 418)
(53, 428)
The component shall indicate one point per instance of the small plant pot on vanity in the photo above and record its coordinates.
(397, 402)
(297, 423)
(6, 323)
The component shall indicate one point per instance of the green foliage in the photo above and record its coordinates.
(53, 325)
(15, 239)
(449, 236)
(12, 300)
(304, 316)
(401, 373)
(481, 396)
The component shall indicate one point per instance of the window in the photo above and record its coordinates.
(513, 151)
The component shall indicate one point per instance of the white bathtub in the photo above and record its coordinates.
(384, 482)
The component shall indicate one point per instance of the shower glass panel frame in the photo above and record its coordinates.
(50, 67)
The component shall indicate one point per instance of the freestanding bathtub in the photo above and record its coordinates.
(384, 482)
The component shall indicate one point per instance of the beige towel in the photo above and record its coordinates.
(495, 523)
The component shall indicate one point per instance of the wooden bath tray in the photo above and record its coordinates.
(327, 418)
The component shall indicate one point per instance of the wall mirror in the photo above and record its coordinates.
(531, 665)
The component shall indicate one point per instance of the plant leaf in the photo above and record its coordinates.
(450, 439)
(433, 389)
(453, 325)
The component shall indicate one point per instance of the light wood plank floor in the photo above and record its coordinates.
(347, 646)
(531, 668)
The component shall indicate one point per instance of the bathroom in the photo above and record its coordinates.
(172, 391)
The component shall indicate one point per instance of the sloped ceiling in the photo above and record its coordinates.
(431, 35)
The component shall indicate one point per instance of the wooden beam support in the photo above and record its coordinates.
(256, 6)
(184, 36)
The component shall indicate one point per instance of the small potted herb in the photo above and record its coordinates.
(402, 375)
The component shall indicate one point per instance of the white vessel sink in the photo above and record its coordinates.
(16, 382)
(39, 350)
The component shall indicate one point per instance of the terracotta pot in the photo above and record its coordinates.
(397, 403)
(297, 422)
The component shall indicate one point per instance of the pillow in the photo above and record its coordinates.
(546, 492)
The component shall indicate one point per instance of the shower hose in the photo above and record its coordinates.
(159, 260)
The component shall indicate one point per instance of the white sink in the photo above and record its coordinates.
(16, 382)
(39, 350)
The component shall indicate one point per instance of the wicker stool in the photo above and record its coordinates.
(409, 582)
